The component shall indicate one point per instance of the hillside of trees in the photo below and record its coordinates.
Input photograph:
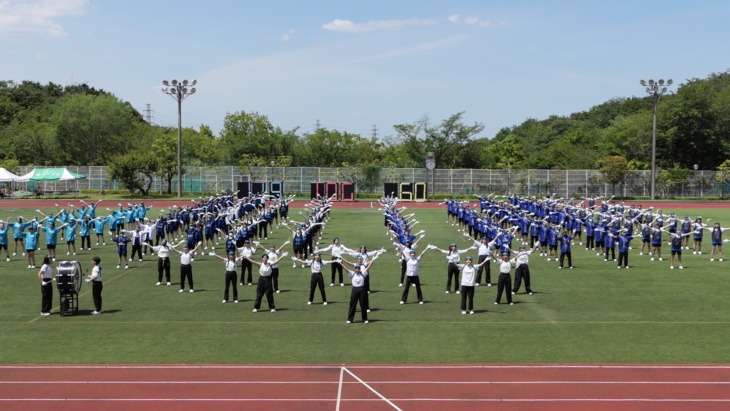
(79, 125)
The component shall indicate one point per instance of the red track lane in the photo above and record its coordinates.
(573, 387)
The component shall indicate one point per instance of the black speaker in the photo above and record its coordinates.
(316, 189)
(243, 189)
(390, 189)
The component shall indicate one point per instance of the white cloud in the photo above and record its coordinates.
(454, 18)
(477, 22)
(351, 27)
(286, 36)
(37, 17)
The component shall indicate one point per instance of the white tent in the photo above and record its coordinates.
(6, 176)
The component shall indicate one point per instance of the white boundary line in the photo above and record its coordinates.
(371, 389)
(517, 400)
(341, 382)
(339, 389)
(363, 366)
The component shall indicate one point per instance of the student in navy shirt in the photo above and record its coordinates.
(122, 241)
(565, 242)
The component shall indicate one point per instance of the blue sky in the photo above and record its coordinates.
(352, 65)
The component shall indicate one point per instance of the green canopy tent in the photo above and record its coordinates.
(51, 174)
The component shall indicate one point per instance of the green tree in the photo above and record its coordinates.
(614, 170)
(132, 169)
(94, 128)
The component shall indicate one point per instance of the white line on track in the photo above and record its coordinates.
(364, 366)
(339, 389)
(371, 389)
(695, 400)
(341, 383)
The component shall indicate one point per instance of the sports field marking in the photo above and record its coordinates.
(342, 383)
(371, 389)
(69, 321)
(339, 389)
(362, 366)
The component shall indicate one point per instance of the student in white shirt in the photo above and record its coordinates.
(468, 281)
(186, 269)
(96, 285)
(505, 279)
(317, 265)
(264, 286)
(412, 275)
(45, 275)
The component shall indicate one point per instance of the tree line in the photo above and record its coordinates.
(80, 125)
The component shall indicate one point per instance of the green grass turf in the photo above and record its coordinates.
(592, 314)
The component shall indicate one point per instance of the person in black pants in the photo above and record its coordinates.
(46, 276)
(412, 264)
(264, 284)
(505, 279)
(358, 294)
(317, 280)
(230, 262)
(96, 285)
(522, 260)
(186, 269)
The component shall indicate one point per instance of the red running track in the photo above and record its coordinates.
(366, 387)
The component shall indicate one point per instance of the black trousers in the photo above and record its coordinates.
(613, 253)
(336, 268)
(46, 297)
(403, 265)
(86, 239)
(453, 271)
(264, 287)
(263, 229)
(570, 258)
(590, 241)
(504, 284)
(186, 271)
(358, 295)
(412, 279)
(484, 267)
(317, 281)
(467, 297)
(623, 257)
(275, 278)
(136, 248)
(163, 264)
(230, 281)
(246, 266)
(522, 272)
(96, 288)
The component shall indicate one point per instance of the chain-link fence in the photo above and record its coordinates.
(563, 183)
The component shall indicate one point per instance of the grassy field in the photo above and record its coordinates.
(591, 314)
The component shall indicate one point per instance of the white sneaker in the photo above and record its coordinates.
(699, 252)
(694, 252)
(95, 312)
(181, 291)
(324, 303)
(476, 284)
(168, 283)
(368, 310)
(7, 259)
(548, 259)
(332, 284)
(458, 292)
(366, 322)
(447, 291)
(400, 285)
(235, 301)
(277, 291)
(224, 301)
(309, 303)
(652, 259)
(660, 259)
(641, 253)
(68, 253)
(158, 283)
(681, 268)
(712, 259)
(74, 253)
(255, 310)
(29, 266)
(192, 291)
(342, 284)
(126, 266)
(489, 284)
(402, 302)
(140, 259)
(671, 267)
(463, 312)
(471, 312)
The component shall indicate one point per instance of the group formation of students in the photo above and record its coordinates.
(549, 226)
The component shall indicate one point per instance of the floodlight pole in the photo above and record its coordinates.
(179, 91)
(655, 89)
